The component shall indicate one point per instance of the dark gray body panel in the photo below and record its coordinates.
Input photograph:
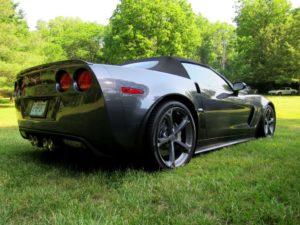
(128, 113)
(234, 116)
(108, 120)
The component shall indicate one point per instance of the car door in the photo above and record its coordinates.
(225, 113)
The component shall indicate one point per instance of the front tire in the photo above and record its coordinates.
(267, 125)
(171, 135)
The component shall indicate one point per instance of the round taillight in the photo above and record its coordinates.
(83, 79)
(63, 80)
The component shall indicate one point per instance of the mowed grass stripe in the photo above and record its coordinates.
(257, 182)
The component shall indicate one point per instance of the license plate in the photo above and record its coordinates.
(39, 109)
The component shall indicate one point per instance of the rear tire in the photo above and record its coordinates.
(267, 125)
(171, 135)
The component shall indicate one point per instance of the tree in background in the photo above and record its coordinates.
(17, 48)
(71, 38)
(293, 44)
(268, 41)
(143, 28)
(217, 47)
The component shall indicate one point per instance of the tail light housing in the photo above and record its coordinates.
(83, 79)
(63, 80)
(20, 87)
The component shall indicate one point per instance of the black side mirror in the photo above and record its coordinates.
(239, 86)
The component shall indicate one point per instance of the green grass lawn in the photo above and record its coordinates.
(257, 182)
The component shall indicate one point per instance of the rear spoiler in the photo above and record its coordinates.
(53, 64)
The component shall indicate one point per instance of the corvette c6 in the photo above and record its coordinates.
(164, 108)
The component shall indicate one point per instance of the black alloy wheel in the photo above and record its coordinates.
(171, 135)
(268, 123)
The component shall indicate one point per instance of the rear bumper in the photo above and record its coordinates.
(63, 139)
(69, 118)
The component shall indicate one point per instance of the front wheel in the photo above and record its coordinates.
(267, 124)
(171, 135)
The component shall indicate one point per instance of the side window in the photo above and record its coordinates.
(206, 78)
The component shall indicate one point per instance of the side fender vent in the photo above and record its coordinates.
(251, 115)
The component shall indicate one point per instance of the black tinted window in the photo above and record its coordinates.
(206, 78)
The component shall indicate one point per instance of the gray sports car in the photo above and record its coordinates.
(166, 108)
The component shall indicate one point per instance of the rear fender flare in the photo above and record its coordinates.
(171, 97)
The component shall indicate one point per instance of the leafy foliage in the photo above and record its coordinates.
(72, 38)
(143, 28)
(14, 40)
(19, 48)
(268, 40)
(61, 38)
(217, 48)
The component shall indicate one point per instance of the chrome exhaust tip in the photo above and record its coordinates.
(50, 145)
(35, 141)
(30, 138)
(45, 143)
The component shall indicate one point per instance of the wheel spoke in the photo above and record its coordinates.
(270, 130)
(172, 154)
(162, 141)
(271, 121)
(182, 125)
(185, 148)
(169, 117)
(266, 127)
(266, 123)
(268, 114)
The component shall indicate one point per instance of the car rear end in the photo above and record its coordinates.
(62, 104)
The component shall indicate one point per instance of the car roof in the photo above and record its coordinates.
(168, 64)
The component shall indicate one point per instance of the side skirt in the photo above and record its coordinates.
(207, 148)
